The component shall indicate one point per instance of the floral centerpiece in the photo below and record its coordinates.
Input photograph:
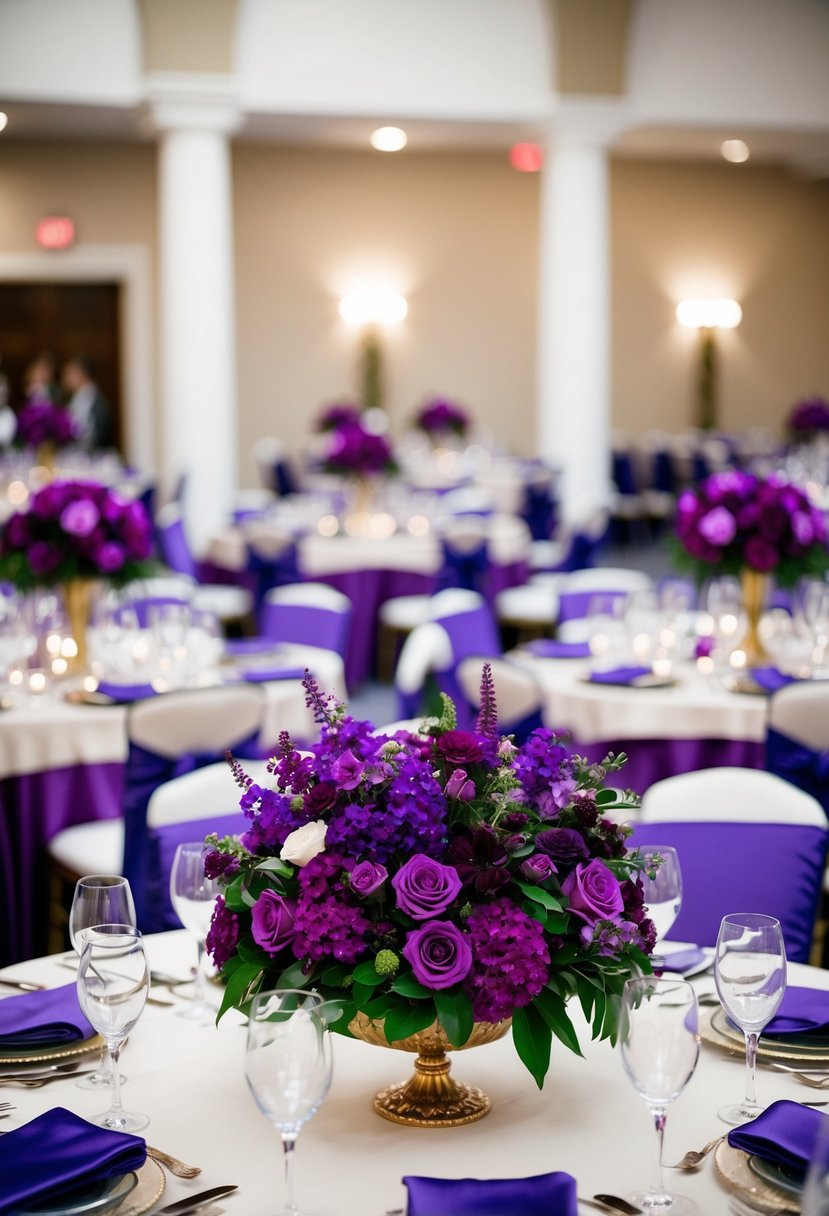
(440, 417)
(41, 424)
(356, 450)
(808, 418)
(452, 879)
(341, 413)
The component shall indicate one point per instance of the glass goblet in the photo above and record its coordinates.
(750, 975)
(659, 1037)
(288, 1067)
(662, 887)
(193, 897)
(113, 983)
(99, 899)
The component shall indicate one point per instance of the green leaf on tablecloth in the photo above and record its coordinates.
(455, 1015)
(533, 1039)
(404, 1020)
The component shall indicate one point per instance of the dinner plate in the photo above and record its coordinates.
(732, 1168)
(716, 1030)
(133, 1198)
(651, 680)
(97, 1197)
(784, 1177)
(53, 1051)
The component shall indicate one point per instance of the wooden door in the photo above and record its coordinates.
(64, 319)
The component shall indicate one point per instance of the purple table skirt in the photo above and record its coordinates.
(651, 760)
(33, 809)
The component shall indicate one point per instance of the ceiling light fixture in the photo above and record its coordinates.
(4, 120)
(389, 139)
(735, 150)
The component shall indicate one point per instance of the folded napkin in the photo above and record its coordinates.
(59, 1152)
(619, 675)
(125, 692)
(802, 1011)
(258, 675)
(771, 679)
(36, 1019)
(784, 1134)
(238, 647)
(546, 648)
(550, 1194)
(682, 960)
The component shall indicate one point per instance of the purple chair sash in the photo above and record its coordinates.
(465, 568)
(798, 764)
(574, 605)
(161, 851)
(471, 633)
(776, 868)
(308, 626)
(142, 607)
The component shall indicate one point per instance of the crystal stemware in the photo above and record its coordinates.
(193, 897)
(113, 983)
(288, 1067)
(659, 1037)
(750, 975)
(99, 899)
(662, 887)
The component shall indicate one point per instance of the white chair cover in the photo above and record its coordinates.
(202, 793)
(726, 794)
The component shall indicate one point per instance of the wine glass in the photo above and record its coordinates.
(99, 899)
(659, 1037)
(662, 886)
(193, 897)
(815, 1200)
(288, 1066)
(750, 975)
(113, 983)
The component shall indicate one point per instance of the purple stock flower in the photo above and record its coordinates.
(367, 877)
(217, 864)
(438, 954)
(425, 887)
(223, 934)
(510, 960)
(272, 921)
(594, 892)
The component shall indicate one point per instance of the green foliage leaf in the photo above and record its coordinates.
(403, 1020)
(273, 865)
(533, 1039)
(454, 1010)
(239, 987)
(539, 896)
(407, 985)
(293, 977)
(554, 1012)
(334, 977)
(234, 898)
(366, 974)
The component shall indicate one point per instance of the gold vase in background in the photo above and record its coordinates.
(430, 1098)
(46, 454)
(755, 589)
(77, 599)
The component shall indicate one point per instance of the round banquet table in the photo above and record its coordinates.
(63, 764)
(692, 724)
(588, 1119)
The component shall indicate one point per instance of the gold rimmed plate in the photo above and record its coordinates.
(53, 1051)
(731, 1166)
(649, 680)
(716, 1030)
(130, 1194)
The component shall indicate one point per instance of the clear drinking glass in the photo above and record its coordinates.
(662, 886)
(750, 975)
(99, 899)
(815, 1199)
(288, 1067)
(113, 983)
(659, 1038)
(193, 897)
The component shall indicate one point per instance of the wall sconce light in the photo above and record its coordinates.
(707, 316)
(371, 310)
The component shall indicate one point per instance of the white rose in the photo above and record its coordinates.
(304, 844)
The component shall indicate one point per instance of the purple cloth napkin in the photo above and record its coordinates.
(547, 648)
(681, 960)
(126, 692)
(238, 647)
(771, 679)
(619, 675)
(58, 1152)
(802, 1011)
(36, 1019)
(785, 1134)
(258, 675)
(547, 1194)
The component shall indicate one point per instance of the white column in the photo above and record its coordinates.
(196, 300)
(574, 352)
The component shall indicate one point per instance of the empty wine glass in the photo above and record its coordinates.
(750, 975)
(659, 1037)
(288, 1067)
(99, 899)
(193, 897)
(113, 983)
(815, 1201)
(662, 887)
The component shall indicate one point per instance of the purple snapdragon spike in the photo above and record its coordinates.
(487, 723)
(319, 705)
(239, 775)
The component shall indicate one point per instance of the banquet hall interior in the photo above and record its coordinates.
(380, 380)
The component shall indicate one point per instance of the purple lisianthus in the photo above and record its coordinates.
(593, 892)
(760, 555)
(438, 954)
(110, 557)
(462, 748)
(459, 786)
(538, 867)
(272, 921)
(347, 771)
(564, 845)
(425, 887)
(367, 878)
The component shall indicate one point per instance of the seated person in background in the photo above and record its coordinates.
(90, 410)
(40, 379)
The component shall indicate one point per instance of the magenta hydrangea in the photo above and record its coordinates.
(328, 922)
(223, 934)
(510, 960)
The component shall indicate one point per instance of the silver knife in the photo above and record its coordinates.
(192, 1202)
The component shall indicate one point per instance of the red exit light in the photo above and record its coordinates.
(526, 158)
(55, 232)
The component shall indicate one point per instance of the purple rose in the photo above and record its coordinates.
(43, 557)
(564, 845)
(80, 518)
(704, 647)
(538, 867)
(760, 555)
(594, 892)
(718, 526)
(319, 798)
(347, 771)
(368, 877)
(424, 887)
(110, 557)
(273, 921)
(438, 954)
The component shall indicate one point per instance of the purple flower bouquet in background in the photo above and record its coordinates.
(354, 449)
(440, 417)
(42, 422)
(735, 521)
(451, 878)
(75, 530)
(341, 413)
(809, 418)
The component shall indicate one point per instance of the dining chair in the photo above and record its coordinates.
(747, 841)
(275, 469)
(797, 737)
(426, 650)
(227, 602)
(272, 557)
(310, 614)
(518, 694)
(472, 631)
(578, 591)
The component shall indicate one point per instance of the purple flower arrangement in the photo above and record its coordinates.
(735, 521)
(450, 876)
(75, 529)
(354, 449)
(341, 413)
(441, 417)
(42, 422)
(809, 417)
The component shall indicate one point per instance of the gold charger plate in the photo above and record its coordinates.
(82, 1048)
(716, 1031)
(732, 1168)
(151, 1183)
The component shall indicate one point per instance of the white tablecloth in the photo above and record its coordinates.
(587, 1120)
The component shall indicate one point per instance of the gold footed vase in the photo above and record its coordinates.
(755, 591)
(430, 1098)
(77, 599)
(46, 456)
